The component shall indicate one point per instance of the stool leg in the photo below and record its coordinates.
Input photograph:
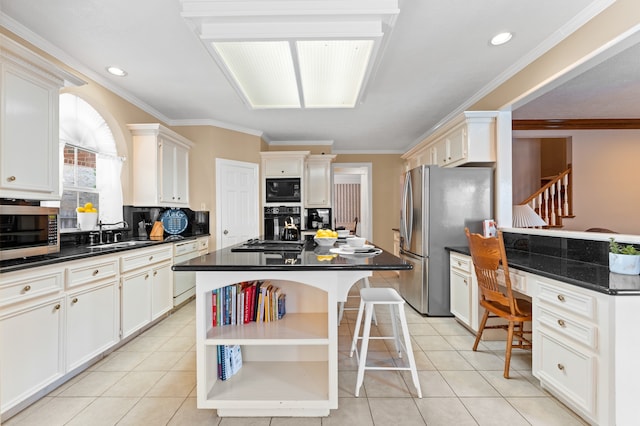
(362, 361)
(409, 349)
(394, 327)
(365, 283)
(354, 342)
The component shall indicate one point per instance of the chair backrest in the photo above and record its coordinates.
(488, 254)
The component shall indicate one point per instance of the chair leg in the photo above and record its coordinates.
(507, 355)
(481, 329)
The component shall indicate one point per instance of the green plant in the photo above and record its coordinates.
(616, 248)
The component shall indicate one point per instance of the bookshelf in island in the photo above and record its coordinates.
(289, 365)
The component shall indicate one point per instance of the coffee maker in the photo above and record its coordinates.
(318, 218)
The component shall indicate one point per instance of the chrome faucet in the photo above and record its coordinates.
(100, 225)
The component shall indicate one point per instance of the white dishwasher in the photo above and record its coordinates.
(184, 283)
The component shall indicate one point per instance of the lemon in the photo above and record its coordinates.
(88, 206)
(80, 210)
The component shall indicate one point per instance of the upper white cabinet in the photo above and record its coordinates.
(29, 151)
(318, 181)
(161, 166)
(470, 138)
(283, 163)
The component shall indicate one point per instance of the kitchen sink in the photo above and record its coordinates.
(122, 244)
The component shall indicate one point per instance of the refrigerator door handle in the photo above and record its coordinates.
(406, 218)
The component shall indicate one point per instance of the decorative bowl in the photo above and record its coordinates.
(87, 221)
(325, 241)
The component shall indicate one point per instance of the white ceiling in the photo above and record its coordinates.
(437, 63)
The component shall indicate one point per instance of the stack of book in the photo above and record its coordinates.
(241, 303)
(229, 360)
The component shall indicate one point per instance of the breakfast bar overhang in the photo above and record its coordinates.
(290, 366)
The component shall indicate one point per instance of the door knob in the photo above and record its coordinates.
(225, 232)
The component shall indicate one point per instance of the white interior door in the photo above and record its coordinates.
(237, 211)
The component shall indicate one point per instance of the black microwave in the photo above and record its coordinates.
(28, 231)
(282, 190)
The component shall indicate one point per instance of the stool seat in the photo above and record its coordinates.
(369, 297)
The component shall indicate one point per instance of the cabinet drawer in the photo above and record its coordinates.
(27, 287)
(580, 304)
(183, 248)
(83, 274)
(203, 244)
(461, 263)
(570, 372)
(143, 258)
(581, 332)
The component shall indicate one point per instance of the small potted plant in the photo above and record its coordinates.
(623, 259)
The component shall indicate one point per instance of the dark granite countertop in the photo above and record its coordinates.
(312, 258)
(590, 276)
(77, 252)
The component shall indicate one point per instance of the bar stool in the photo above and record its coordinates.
(369, 297)
(342, 308)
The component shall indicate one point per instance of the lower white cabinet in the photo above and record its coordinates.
(31, 348)
(92, 322)
(147, 287)
(461, 285)
(161, 290)
(570, 352)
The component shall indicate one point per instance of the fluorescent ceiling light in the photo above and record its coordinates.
(501, 38)
(264, 72)
(295, 54)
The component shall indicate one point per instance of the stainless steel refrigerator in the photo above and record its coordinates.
(437, 204)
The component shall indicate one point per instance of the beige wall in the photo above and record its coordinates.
(605, 193)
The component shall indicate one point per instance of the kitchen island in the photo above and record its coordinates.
(290, 365)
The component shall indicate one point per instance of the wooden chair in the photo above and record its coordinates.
(496, 296)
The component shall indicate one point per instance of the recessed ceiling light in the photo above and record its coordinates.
(118, 72)
(501, 38)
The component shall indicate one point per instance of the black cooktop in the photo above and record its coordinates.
(270, 246)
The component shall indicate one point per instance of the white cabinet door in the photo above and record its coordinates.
(457, 145)
(92, 322)
(31, 349)
(166, 176)
(161, 290)
(135, 301)
(461, 296)
(29, 157)
(181, 183)
(318, 181)
(283, 167)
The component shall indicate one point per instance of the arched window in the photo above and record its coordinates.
(90, 164)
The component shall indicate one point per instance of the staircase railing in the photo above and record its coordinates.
(554, 200)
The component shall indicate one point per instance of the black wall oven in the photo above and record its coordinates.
(282, 190)
(274, 218)
(28, 231)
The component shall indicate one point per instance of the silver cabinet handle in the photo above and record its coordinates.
(560, 367)
(561, 323)
(26, 288)
(465, 282)
(150, 257)
(561, 298)
(74, 300)
(155, 273)
(96, 272)
(11, 178)
(146, 277)
(57, 307)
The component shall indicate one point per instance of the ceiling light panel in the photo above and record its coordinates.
(263, 70)
(332, 71)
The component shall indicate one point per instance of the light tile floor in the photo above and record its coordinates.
(151, 381)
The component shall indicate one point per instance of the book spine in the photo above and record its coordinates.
(214, 309)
